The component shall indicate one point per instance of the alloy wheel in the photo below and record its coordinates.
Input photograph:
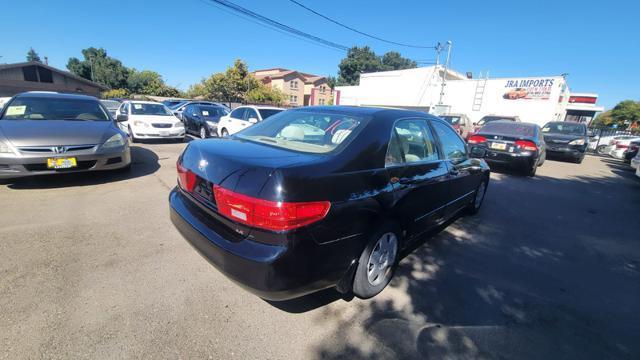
(382, 258)
(203, 133)
(480, 195)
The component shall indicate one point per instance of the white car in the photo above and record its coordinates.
(618, 147)
(243, 117)
(149, 120)
(635, 162)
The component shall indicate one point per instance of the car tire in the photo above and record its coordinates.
(478, 197)
(132, 137)
(531, 172)
(202, 133)
(377, 262)
(224, 133)
(600, 149)
(578, 160)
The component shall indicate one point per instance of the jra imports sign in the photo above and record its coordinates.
(528, 89)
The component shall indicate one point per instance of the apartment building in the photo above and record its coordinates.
(300, 89)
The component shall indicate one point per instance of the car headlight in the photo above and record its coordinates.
(179, 124)
(577, 142)
(212, 124)
(5, 149)
(141, 123)
(116, 140)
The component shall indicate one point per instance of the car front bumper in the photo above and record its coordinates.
(566, 151)
(158, 133)
(21, 166)
(272, 272)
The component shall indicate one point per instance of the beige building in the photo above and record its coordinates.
(35, 76)
(300, 89)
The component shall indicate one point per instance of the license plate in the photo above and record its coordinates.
(62, 163)
(499, 146)
(164, 133)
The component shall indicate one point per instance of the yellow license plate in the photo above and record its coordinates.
(62, 163)
(498, 146)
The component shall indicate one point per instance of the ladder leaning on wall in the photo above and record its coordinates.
(479, 94)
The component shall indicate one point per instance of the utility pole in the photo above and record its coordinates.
(444, 72)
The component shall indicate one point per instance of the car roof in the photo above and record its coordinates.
(55, 95)
(144, 102)
(565, 122)
(511, 123)
(260, 107)
(365, 111)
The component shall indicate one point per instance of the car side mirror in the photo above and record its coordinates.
(122, 118)
(478, 152)
(253, 120)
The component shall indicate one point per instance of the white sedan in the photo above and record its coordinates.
(149, 120)
(243, 117)
(617, 148)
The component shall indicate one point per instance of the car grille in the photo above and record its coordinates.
(82, 165)
(162, 126)
(114, 160)
(54, 149)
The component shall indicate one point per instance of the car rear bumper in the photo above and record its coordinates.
(272, 272)
(15, 167)
(510, 159)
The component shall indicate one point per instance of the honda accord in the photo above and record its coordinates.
(48, 133)
(322, 197)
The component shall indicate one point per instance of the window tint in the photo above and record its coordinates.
(251, 114)
(510, 128)
(30, 73)
(51, 108)
(452, 145)
(45, 75)
(238, 113)
(414, 141)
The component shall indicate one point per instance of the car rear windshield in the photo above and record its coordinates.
(565, 128)
(149, 109)
(452, 120)
(110, 104)
(488, 119)
(309, 132)
(265, 113)
(509, 128)
(52, 108)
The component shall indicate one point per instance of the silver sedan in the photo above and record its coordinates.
(48, 133)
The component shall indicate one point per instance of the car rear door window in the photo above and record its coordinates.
(250, 113)
(454, 149)
(411, 142)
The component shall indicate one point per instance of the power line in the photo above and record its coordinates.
(250, 15)
(358, 31)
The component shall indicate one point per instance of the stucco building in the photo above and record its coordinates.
(300, 89)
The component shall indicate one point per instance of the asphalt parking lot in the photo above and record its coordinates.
(91, 267)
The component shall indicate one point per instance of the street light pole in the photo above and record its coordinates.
(444, 72)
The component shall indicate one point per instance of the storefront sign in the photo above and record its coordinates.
(528, 89)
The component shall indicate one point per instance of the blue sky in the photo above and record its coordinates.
(597, 43)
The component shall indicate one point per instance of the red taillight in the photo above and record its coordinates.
(186, 178)
(621, 146)
(526, 145)
(265, 214)
(476, 139)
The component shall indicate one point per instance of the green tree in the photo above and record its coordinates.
(115, 93)
(32, 55)
(331, 81)
(233, 85)
(626, 112)
(99, 67)
(394, 61)
(262, 94)
(149, 82)
(603, 119)
(364, 60)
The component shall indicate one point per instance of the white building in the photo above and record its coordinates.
(532, 99)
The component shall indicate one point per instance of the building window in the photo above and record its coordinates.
(30, 73)
(322, 89)
(293, 99)
(45, 75)
(321, 102)
(293, 84)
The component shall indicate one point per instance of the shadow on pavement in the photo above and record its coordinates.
(311, 301)
(143, 162)
(549, 268)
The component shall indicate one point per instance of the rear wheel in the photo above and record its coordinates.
(600, 149)
(531, 172)
(377, 263)
(578, 160)
(225, 133)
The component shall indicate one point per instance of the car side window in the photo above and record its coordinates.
(411, 142)
(453, 147)
(251, 114)
(238, 113)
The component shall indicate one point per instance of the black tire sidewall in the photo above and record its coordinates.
(472, 207)
(202, 129)
(361, 286)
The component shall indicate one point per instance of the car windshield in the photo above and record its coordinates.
(488, 119)
(565, 128)
(53, 108)
(149, 109)
(110, 104)
(452, 120)
(509, 128)
(265, 113)
(309, 132)
(213, 111)
(176, 106)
